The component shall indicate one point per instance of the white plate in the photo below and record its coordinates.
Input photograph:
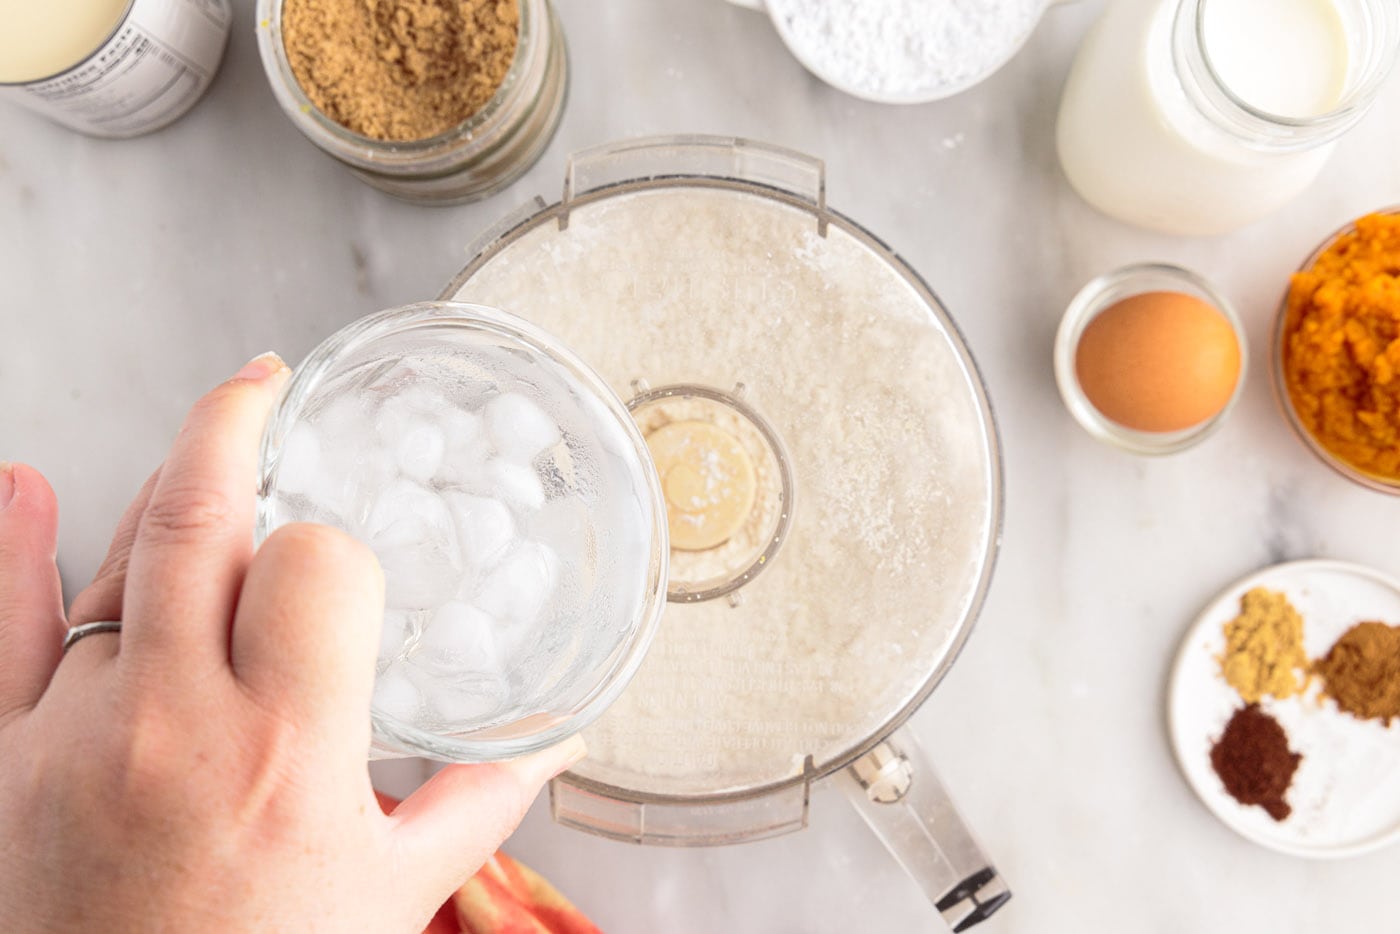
(1346, 792)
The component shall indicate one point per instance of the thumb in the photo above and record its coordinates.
(31, 600)
(453, 824)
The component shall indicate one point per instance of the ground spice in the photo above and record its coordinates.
(400, 70)
(1341, 347)
(1252, 758)
(1361, 671)
(1264, 647)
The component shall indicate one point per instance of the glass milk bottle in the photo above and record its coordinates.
(1200, 116)
(111, 68)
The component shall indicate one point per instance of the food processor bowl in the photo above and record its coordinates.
(833, 481)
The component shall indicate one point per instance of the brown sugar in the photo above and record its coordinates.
(400, 70)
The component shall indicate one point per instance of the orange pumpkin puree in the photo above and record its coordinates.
(1341, 347)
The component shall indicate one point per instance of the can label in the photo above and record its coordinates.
(152, 69)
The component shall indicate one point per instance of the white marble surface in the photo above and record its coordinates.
(134, 275)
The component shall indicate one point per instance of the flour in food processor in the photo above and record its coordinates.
(884, 434)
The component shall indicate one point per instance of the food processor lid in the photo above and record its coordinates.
(813, 408)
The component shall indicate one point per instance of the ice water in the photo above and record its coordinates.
(500, 503)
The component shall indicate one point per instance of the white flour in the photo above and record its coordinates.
(892, 520)
(905, 48)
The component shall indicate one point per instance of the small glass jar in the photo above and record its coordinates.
(1102, 293)
(1380, 484)
(112, 68)
(603, 517)
(1151, 134)
(480, 156)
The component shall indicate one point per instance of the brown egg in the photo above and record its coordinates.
(1158, 361)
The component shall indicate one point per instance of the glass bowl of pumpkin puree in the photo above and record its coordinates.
(1336, 351)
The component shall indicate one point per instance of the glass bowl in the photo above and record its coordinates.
(1370, 481)
(1097, 296)
(535, 515)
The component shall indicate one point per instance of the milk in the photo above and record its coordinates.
(113, 68)
(39, 38)
(1135, 146)
(1284, 57)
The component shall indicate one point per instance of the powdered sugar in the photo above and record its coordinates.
(904, 49)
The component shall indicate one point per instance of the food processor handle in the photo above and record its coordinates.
(896, 790)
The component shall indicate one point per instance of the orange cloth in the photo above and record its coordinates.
(505, 897)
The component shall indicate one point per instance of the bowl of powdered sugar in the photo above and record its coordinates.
(902, 51)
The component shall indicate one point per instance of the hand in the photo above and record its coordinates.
(204, 770)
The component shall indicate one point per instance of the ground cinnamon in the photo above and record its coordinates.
(1361, 671)
(1252, 758)
(400, 70)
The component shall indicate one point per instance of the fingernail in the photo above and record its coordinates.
(549, 763)
(571, 752)
(261, 367)
(7, 483)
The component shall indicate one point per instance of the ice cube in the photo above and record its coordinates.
(338, 437)
(517, 484)
(407, 407)
(403, 512)
(459, 640)
(398, 625)
(566, 525)
(519, 428)
(484, 527)
(415, 394)
(411, 531)
(367, 472)
(457, 706)
(462, 429)
(317, 468)
(518, 588)
(299, 461)
(420, 449)
(342, 417)
(396, 696)
(467, 450)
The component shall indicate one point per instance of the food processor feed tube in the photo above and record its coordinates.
(832, 480)
(1201, 116)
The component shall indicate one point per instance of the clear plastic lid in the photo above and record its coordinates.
(836, 390)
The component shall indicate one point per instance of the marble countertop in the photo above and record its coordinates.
(134, 275)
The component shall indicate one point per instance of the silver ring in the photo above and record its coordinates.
(86, 629)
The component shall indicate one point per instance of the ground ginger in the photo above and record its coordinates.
(1341, 347)
(1264, 647)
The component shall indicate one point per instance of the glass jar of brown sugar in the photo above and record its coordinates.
(383, 116)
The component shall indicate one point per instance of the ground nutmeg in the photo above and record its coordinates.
(400, 70)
